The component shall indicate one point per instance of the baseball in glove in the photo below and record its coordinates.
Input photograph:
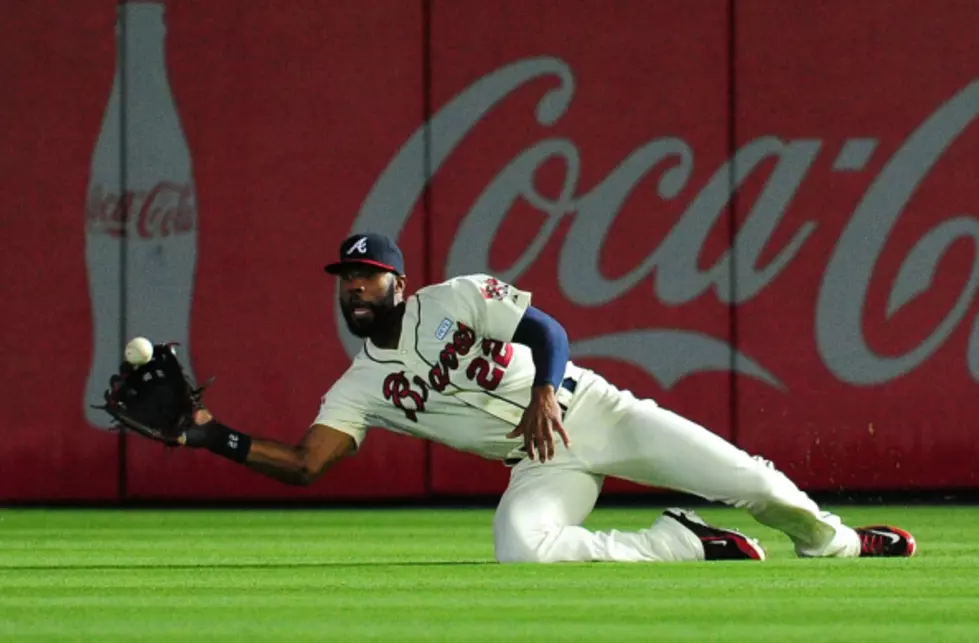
(156, 400)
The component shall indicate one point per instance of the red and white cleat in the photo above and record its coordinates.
(881, 540)
(719, 544)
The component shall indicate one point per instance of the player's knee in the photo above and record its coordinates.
(516, 550)
(513, 545)
(511, 555)
(520, 554)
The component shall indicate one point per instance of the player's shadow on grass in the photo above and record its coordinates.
(444, 563)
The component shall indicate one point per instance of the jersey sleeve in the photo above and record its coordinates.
(492, 306)
(341, 410)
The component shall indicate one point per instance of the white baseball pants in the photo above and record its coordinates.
(615, 434)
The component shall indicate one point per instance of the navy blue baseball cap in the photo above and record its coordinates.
(370, 249)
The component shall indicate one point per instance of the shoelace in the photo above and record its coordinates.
(871, 542)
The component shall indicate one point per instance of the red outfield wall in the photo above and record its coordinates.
(760, 214)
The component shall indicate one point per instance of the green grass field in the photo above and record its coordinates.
(412, 575)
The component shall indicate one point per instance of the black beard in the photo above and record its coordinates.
(380, 319)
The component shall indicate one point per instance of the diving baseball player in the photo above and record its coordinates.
(472, 364)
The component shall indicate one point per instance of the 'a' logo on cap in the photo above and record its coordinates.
(360, 246)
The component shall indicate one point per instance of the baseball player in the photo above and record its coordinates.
(472, 364)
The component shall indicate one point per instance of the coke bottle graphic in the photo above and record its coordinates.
(141, 211)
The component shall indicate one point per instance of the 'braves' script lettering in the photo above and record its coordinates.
(674, 263)
(462, 341)
(398, 390)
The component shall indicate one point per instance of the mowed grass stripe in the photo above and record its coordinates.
(429, 575)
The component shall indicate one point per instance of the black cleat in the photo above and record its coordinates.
(881, 540)
(719, 544)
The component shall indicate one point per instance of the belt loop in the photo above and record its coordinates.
(569, 384)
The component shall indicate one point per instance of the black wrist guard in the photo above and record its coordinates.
(228, 443)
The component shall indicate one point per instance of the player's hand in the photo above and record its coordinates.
(200, 434)
(540, 421)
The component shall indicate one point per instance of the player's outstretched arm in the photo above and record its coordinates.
(304, 463)
(300, 464)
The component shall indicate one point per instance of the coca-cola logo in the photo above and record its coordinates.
(163, 210)
(669, 354)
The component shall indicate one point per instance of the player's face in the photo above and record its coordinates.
(367, 294)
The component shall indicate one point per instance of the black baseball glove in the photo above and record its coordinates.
(156, 400)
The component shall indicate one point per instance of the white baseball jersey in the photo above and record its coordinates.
(454, 378)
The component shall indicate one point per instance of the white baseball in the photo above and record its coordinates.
(139, 351)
